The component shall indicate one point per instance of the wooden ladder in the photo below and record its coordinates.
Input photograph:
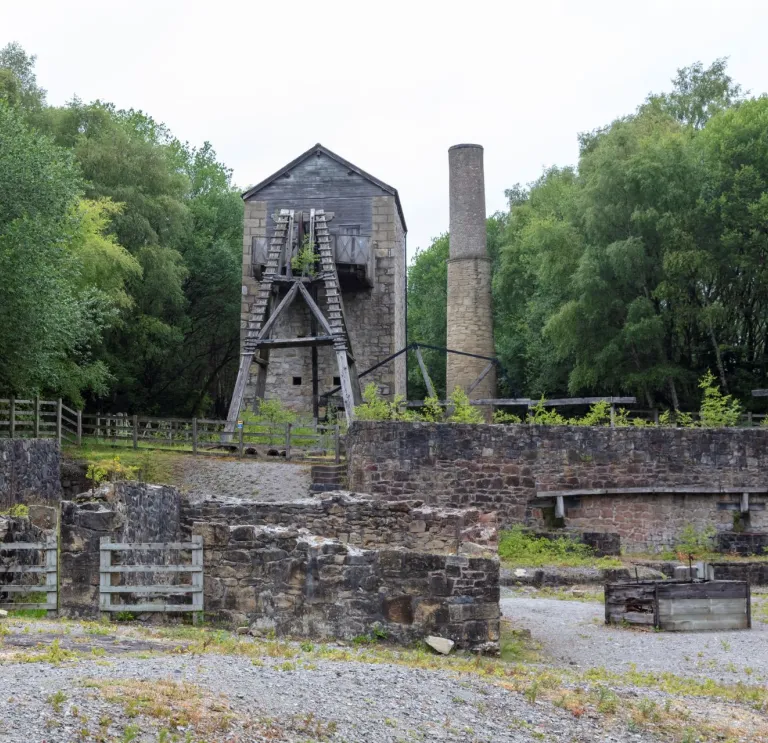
(255, 327)
(342, 345)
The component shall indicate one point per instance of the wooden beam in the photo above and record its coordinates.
(316, 340)
(286, 301)
(314, 309)
(682, 489)
(424, 373)
(759, 393)
(559, 507)
(482, 376)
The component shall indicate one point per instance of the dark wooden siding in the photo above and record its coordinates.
(322, 183)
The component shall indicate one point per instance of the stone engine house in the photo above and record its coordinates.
(368, 231)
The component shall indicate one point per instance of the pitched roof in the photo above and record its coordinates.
(325, 151)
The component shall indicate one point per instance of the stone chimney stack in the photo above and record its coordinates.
(470, 321)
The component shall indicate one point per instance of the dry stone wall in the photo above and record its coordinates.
(510, 469)
(29, 471)
(283, 580)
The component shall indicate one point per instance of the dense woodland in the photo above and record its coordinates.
(640, 268)
(120, 256)
(634, 271)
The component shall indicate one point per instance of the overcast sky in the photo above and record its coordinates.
(387, 85)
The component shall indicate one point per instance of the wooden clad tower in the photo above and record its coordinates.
(366, 242)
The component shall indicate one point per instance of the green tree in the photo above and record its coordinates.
(48, 320)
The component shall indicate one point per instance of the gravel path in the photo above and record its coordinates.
(273, 700)
(267, 481)
(575, 633)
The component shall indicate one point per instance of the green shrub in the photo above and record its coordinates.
(696, 543)
(501, 416)
(519, 547)
(717, 409)
(542, 416)
(463, 411)
(19, 510)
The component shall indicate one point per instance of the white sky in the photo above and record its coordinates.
(387, 85)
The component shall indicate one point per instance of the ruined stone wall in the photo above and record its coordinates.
(356, 521)
(280, 579)
(125, 512)
(507, 468)
(29, 471)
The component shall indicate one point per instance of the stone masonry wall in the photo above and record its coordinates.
(29, 471)
(356, 521)
(284, 580)
(509, 468)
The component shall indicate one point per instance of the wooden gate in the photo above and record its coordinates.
(49, 570)
(195, 569)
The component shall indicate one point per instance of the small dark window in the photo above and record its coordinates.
(337, 381)
(349, 229)
(296, 381)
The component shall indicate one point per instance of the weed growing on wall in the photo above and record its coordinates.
(305, 260)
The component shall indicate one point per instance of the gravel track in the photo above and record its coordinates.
(575, 633)
(202, 478)
(343, 701)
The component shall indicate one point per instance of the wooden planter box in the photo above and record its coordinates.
(680, 605)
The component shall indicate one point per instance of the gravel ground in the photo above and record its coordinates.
(130, 685)
(298, 702)
(575, 633)
(267, 481)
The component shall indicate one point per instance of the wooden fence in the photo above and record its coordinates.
(52, 419)
(194, 569)
(50, 570)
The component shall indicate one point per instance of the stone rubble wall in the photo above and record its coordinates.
(125, 512)
(506, 468)
(283, 580)
(358, 521)
(29, 472)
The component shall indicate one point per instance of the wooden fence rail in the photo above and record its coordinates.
(52, 419)
(195, 569)
(50, 570)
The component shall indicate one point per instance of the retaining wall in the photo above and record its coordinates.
(29, 471)
(510, 470)
(287, 581)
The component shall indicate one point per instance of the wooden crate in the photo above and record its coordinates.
(680, 605)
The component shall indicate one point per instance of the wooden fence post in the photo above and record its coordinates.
(194, 435)
(749, 419)
(613, 416)
(287, 441)
(105, 577)
(197, 578)
(58, 420)
(135, 431)
(51, 577)
(12, 411)
(336, 444)
(240, 439)
(37, 417)
(79, 427)
(656, 416)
